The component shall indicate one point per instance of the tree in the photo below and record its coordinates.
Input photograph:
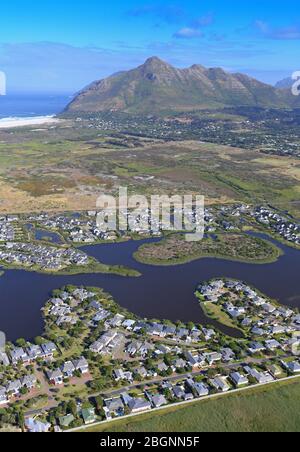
(72, 408)
(21, 420)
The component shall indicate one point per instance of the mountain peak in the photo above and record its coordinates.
(155, 63)
(158, 87)
(155, 60)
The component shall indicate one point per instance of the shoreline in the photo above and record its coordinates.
(12, 123)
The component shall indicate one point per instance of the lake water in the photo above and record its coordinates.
(161, 292)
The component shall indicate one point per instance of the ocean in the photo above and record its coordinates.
(31, 105)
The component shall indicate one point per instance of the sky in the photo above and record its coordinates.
(61, 46)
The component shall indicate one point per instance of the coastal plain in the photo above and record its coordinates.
(64, 167)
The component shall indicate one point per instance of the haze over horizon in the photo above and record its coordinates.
(47, 49)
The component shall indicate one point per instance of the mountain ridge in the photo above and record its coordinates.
(156, 87)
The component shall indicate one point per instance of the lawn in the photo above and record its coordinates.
(269, 409)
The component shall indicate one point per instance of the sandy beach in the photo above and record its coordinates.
(11, 123)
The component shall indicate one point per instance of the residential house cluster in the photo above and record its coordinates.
(7, 230)
(278, 223)
(45, 257)
(277, 326)
(68, 370)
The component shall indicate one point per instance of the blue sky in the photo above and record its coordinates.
(56, 46)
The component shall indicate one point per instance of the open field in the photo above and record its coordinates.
(266, 409)
(66, 168)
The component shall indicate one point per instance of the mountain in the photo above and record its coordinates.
(286, 83)
(158, 87)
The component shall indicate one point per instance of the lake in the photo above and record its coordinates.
(161, 292)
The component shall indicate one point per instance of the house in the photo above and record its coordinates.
(56, 377)
(192, 360)
(256, 347)
(104, 341)
(227, 355)
(35, 426)
(3, 396)
(220, 383)
(256, 331)
(48, 350)
(29, 382)
(213, 357)
(4, 360)
(238, 379)
(236, 312)
(272, 345)
(81, 365)
(142, 372)
(293, 367)
(34, 352)
(260, 377)
(120, 375)
(66, 421)
(277, 329)
(133, 348)
(139, 405)
(158, 401)
(129, 324)
(115, 407)
(275, 371)
(179, 364)
(200, 388)
(89, 416)
(14, 387)
(162, 367)
(178, 392)
(19, 355)
(68, 369)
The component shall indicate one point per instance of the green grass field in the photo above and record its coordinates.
(269, 409)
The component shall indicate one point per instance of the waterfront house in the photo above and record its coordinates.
(48, 350)
(19, 355)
